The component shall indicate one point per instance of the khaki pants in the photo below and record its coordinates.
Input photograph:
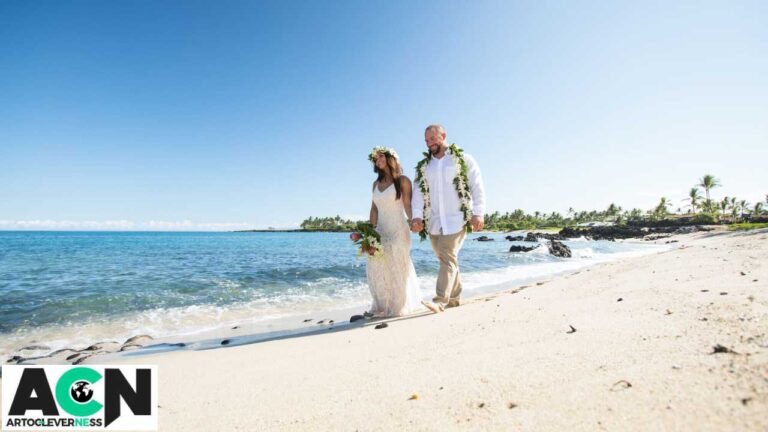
(446, 247)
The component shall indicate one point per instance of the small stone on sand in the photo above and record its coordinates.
(621, 385)
(720, 349)
(138, 339)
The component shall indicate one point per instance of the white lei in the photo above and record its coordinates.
(461, 182)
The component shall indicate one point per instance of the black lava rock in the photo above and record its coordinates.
(522, 248)
(558, 249)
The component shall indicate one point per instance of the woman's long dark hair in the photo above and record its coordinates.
(394, 169)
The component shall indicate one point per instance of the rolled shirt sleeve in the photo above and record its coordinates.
(476, 186)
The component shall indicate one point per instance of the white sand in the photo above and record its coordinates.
(506, 362)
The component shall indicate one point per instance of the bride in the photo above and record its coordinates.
(391, 276)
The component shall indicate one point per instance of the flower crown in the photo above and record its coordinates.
(386, 150)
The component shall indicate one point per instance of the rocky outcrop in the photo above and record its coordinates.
(535, 237)
(558, 249)
(603, 232)
(617, 232)
(523, 248)
(483, 239)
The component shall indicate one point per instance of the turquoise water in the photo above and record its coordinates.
(63, 285)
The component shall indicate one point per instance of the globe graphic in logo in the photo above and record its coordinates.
(81, 391)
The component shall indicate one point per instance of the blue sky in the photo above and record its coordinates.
(228, 114)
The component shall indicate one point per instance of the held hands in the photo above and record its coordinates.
(477, 222)
(417, 225)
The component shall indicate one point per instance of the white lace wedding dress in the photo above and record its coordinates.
(392, 277)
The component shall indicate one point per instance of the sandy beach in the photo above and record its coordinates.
(626, 345)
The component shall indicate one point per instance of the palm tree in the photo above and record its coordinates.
(708, 182)
(758, 208)
(734, 206)
(693, 197)
(743, 207)
(612, 210)
(723, 205)
(661, 208)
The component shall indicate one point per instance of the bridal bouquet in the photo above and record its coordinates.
(368, 239)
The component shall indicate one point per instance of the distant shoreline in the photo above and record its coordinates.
(288, 230)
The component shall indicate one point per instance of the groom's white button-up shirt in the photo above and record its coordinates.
(446, 217)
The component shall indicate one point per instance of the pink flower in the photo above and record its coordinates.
(355, 236)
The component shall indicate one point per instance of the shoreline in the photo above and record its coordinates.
(640, 357)
(238, 325)
(509, 361)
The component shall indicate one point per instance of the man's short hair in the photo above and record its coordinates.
(435, 127)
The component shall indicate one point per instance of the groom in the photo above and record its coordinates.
(451, 206)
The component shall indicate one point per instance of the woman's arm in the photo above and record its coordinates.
(374, 215)
(406, 191)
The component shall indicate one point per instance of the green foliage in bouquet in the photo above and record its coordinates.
(368, 239)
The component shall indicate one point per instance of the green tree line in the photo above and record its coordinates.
(699, 208)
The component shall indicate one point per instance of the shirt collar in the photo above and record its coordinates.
(448, 152)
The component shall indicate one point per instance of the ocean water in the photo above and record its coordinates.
(69, 288)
